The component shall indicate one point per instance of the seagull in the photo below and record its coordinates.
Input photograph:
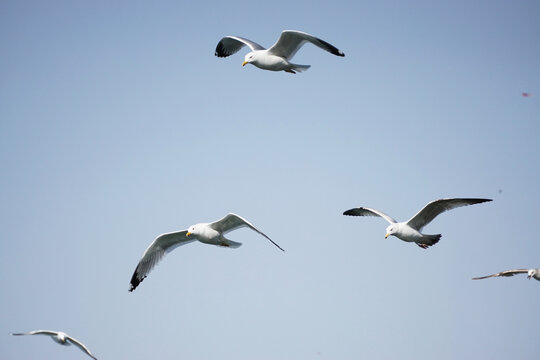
(208, 233)
(410, 230)
(61, 338)
(531, 273)
(277, 57)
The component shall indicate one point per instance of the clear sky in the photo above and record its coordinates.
(118, 123)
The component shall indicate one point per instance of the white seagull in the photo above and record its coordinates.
(531, 273)
(208, 233)
(61, 338)
(410, 230)
(277, 57)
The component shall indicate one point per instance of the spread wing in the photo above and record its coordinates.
(81, 346)
(37, 332)
(162, 245)
(362, 211)
(232, 221)
(291, 40)
(504, 273)
(434, 208)
(232, 44)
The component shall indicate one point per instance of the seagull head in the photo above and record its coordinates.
(390, 230)
(249, 58)
(531, 273)
(192, 230)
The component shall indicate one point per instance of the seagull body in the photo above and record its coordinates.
(410, 230)
(531, 273)
(277, 57)
(207, 233)
(61, 338)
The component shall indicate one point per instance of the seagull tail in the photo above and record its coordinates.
(300, 68)
(230, 243)
(429, 240)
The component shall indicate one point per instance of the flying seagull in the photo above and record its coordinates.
(410, 230)
(534, 273)
(208, 233)
(61, 338)
(277, 57)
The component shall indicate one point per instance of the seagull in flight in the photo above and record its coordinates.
(410, 230)
(61, 338)
(531, 273)
(277, 57)
(208, 233)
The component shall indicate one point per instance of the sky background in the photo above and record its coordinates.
(118, 123)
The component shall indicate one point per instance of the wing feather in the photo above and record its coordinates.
(503, 273)
(436, 207)
(81, 346)
(232, 44)
(363, 211)
(162, 245)
(290, 41)
(232, 222)
(37, 332)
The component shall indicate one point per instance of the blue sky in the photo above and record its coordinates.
(117, 123)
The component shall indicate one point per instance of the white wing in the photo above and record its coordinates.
(162, 245)
(504, 273)
(291, 40)
(362, 211)
(232, 221)
(81, 346)
(232, 44)
(38, 332)
(434, 208)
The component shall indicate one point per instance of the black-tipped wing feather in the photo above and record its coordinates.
(436, 207)
(290, 41)
(232, 221)
(363, 211)
(232, 44)
(162, 245)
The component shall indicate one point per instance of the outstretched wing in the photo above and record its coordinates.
(504, 273)
(232, 221)
(81, 346)
(291, 40)
(232, 44)
(37, 332)
(363, 211)
(436, 207)
(162, 245)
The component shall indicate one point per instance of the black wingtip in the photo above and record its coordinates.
(349, 212)
(135, 281)
(220, 51)
(332, 49)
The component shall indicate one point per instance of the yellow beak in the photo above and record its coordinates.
(244, 63)
(188, 233)
(386, 236)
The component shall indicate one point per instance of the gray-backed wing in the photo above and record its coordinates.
(232, 44)
(436, 207)
(162, 245)
(290, 41)
(232, 221)
(504, 273)
(81, 346)
(363, 211)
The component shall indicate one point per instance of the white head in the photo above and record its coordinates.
(193, 230)
(249, 58)
(531, 273)
(390, 230)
